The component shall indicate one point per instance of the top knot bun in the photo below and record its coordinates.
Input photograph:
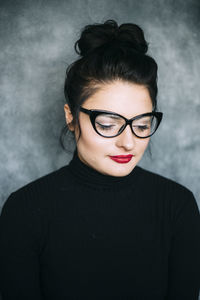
(97, 35)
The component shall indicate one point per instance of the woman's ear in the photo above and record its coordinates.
(69, 117)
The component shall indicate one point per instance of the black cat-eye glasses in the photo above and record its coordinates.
(109, 124)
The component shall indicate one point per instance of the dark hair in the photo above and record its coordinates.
(108, 52)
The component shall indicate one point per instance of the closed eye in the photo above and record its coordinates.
(141, 127)
(105, 127)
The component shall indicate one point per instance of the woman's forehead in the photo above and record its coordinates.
(121, 97)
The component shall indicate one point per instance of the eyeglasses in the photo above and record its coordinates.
(109, 124)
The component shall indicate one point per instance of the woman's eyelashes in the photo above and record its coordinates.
(141, 127)
(111, 126)
(105, 126)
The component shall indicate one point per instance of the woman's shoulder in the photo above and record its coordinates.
(168, 193)
(40, 191)
(163, 184)
(46, 182)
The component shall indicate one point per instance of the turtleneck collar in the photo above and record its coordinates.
(85, 175)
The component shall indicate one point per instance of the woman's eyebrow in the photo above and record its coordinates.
(144, 118)
(112, 115)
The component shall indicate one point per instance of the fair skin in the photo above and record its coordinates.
(126, 99)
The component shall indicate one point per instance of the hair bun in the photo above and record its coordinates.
(97, 35)
(134, 35)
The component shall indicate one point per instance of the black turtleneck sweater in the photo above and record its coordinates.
(78, 234)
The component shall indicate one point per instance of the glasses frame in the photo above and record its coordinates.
(93, 113)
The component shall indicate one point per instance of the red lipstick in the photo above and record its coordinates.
(122, 159)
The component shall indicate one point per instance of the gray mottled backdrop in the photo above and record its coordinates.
(37, 40)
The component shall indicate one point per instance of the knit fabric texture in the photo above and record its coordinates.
(79, 234)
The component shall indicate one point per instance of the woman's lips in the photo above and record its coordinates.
(122, 159)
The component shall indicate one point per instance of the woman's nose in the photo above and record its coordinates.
(126, 139)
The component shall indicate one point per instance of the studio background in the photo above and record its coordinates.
(37, 39)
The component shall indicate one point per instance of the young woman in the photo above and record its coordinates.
(103, 227)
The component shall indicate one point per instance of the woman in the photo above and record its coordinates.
(103, 227)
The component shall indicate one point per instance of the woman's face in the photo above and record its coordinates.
(128, 100)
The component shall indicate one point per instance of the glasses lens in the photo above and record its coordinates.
(108, 124)
(145, 126)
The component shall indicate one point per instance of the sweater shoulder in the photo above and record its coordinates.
(162, 183)
(46, 182)
(168, 192)
(41, 191)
